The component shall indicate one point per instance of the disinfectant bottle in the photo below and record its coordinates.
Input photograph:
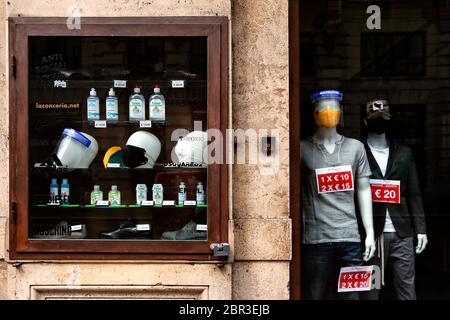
(93, 106)
(112, 106)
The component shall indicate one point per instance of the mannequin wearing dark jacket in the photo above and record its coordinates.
(395, 224)
(408, 217)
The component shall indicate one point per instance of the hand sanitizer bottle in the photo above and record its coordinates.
(112, 106)
(158, 192)
(96, 195)
(157, 105)
(200, 194)
(65, 191)
(93, 106)
(137, 105)
(54, 192)
(181, 194)
(114, 196)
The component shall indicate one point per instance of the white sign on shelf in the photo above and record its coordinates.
(168, 203)
(143, 227)
(100, 124)
(147, 203)
(113, 165)
(60, 84)
(76, 228)
(177, 84)
(120, 83)
(190, 203)
(145, 123)
(102, 203)
(202, 227)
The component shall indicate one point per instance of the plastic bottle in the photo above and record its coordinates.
(157, 105)
(200, 196)
(54, 191)
(181, 193)
(96, 195)
(141, 193)
(65, 191)
(93, 106)
(137, 105)
(158, 194)
(112, 106)
(114, 196)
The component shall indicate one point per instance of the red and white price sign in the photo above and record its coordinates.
(355, 279)
(386, 191)
(334, 179)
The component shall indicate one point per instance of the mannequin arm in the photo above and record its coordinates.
(364, 196)
(422, 241)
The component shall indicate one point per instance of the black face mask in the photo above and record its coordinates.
(134, 157)
(378, 126)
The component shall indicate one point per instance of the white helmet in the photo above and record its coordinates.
(142, 150)
(191, 148)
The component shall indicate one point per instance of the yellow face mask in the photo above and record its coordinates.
(328, 118)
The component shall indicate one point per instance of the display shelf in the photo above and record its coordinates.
(107, 84)
(72, 206)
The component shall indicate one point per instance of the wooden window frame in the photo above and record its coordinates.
(20, 247)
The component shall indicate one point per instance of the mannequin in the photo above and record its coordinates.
(395, 164)
(330, 237)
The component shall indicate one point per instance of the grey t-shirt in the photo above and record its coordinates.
(330, 217)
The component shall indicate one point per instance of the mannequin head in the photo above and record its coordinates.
(378, 116)
(327, 108)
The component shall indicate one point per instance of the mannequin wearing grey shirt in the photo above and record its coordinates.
(330, 217)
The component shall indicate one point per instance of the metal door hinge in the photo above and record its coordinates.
(220, 249)
(14, 211)
(13, 66)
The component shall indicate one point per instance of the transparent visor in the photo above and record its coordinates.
(327, 103)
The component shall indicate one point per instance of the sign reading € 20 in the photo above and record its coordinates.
(385, 191)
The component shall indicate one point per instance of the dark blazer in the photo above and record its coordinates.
(408, 217)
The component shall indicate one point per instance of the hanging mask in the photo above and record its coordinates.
(328, 118)
(134, 157)
(378, 125)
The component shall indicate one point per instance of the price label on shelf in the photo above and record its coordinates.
(168, 203)
(202, 227)
(113, 165)
(102, 203)
(147, 203)
(385, 191)
(353, 279)
(120, 83)
(100, 124)
(76, 228)
(143, 227)
(145, 124)
(177, 84)
(334, 179)
(190, 203)
(60, 84)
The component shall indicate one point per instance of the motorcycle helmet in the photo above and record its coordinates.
(142, 150)
(191, 148)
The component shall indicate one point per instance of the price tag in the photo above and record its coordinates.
(168, 203)
(353, 279)
(190, 203)
(143, 227)
(334, 179)
(60, 84)
(102, 203)
(113, 165)
(120, 83)
(177, 84)
(147, 203)
(76, 228)
(202, 227)
(100, 124)
(145, 124)
(385, 191)
(53, 204)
